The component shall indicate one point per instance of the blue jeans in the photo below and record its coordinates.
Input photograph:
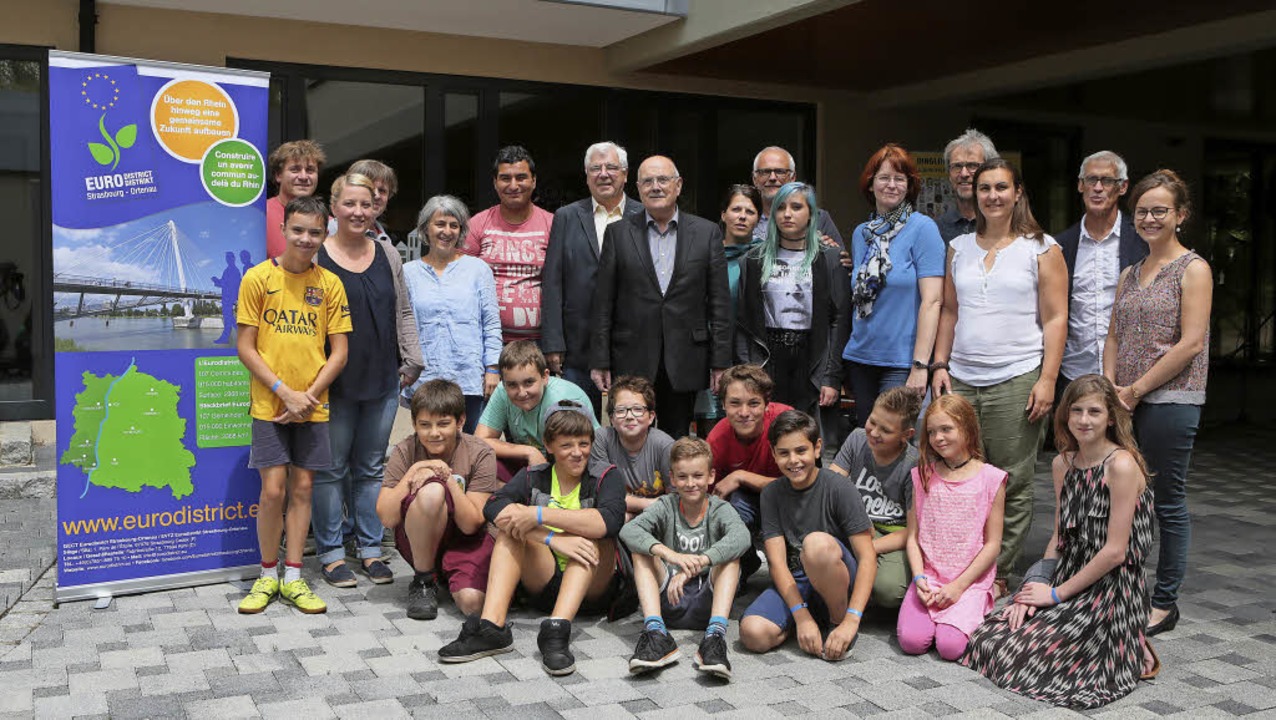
(869, 381)
(344, 498)
(1165, 434)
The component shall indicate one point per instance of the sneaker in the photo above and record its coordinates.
(478, 639)
(378, 573)
(264, 591)
(299, 594)
(655, 650)
(340, 576)
(711, 658)
(423, 601)
(553, 641)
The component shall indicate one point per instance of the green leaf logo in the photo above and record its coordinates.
(126, 136)
(109, 154)
(102, 153)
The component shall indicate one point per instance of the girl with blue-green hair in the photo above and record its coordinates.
(793, 313)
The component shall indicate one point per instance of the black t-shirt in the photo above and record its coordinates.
(831, 505)
(372, 369)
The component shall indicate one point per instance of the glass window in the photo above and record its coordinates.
(460, 130)
(555, 128)
(377, 121)
(21, 204)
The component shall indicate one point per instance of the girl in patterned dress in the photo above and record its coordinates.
(1077, 640)
(954, 533)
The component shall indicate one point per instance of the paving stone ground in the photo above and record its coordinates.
(187, 653)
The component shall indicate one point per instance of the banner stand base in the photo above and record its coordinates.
(104, 593)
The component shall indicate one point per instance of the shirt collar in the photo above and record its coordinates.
(673, 222)
(620, 207)
(1115, 232)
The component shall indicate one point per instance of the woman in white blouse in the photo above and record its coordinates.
(1001, 335)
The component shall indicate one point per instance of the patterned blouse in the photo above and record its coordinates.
(1147, 323)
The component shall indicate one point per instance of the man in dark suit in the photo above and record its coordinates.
(661, 304)
(1096, 250)
(571, 262)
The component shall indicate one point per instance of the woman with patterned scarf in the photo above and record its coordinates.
(897, 283)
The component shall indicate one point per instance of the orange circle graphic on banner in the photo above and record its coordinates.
(189, 116)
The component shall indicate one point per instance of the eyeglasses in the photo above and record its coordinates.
(1107, 182)
(629, 411)
(891, 179)
(611, 168)
(964, 166)
(1157, 213)
(659, 180)
(768, 172)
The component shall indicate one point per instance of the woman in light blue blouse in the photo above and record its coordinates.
(454, 298)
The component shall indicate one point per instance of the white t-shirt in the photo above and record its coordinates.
(786, 297)
(998, 335)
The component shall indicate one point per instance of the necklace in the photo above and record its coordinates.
(959, 465)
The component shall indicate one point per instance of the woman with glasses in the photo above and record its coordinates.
(897, 283)
(1157, 354)
(639, 450)
(384, 357)
(454, 297)
(792, 305)
(1001, 333)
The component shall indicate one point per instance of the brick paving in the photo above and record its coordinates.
(187, 653)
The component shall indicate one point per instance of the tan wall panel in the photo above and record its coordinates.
(49, 23)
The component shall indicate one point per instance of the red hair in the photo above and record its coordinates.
(963, 414)
(901, 161)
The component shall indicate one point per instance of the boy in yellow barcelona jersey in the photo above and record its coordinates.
(289, 308)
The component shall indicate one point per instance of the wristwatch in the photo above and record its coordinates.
(919, 365)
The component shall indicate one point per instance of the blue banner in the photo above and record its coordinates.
(159, 179)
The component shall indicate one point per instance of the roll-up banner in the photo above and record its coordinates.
(158, 199)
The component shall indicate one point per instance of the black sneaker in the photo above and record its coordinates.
(655, 650)
(340, 576)
(553, 641)
(711, 658)
(423, 600)
(478, 639)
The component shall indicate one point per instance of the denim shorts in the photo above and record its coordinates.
(771, 606)
(304, 445)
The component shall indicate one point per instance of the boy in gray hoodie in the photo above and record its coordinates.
(686, 549)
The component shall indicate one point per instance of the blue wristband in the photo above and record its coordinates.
(857, 613)
(920, 577)
(793, 610)
(1054, 595)
(275, 387)
(540, 511)
(549, 537)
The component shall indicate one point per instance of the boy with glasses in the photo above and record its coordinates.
(639, 451)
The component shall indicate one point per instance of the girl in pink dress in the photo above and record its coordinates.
(954, 533)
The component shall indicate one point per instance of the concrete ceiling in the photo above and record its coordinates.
(528, 20)
(878, 48)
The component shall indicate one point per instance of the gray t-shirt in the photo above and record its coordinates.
(831, 505)
(787, 298)
(887, 491)
(646, 473)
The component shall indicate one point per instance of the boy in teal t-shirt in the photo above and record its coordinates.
(514, 410)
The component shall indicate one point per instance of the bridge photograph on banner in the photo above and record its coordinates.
(158, 205)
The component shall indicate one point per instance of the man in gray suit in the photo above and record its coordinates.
(571, 262)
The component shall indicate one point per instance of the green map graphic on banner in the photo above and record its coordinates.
(128, 434)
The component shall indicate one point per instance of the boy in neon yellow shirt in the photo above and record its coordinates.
(289, 308)
(557, 527)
